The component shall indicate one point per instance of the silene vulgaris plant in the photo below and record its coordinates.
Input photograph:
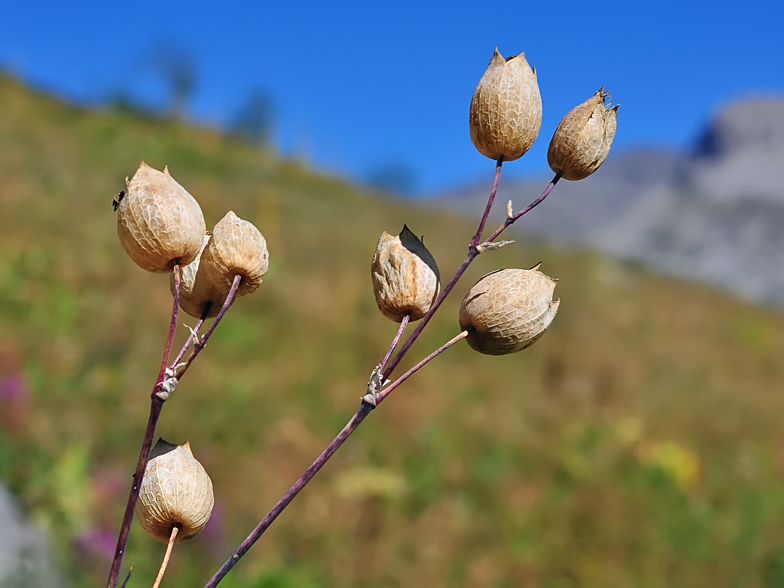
(161, 227)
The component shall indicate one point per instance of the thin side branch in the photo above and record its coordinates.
(322, 459)
(166, 557)
(144, 455)
(366, 407)
(395, 341)
(202, 342)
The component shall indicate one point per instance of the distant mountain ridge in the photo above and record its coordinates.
(714, 216)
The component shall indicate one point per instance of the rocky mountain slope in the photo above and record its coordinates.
(714, 215)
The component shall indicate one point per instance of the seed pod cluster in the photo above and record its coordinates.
(506, 109)
(175, 491)
(235, 248)
(159, 224)
(508, 310)
(405, 276)
(583, 138)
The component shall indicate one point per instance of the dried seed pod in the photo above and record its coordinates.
(158, 222)
(583, 138)
(508, 310)
(235, 248)
(506, 110)
(405, 276)
(175, 491)
(197, 290)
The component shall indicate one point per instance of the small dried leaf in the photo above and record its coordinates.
(583, 139)
(236, 248)
(159, 224)
(405, 276)
(506, 109)
(508, 310)
(175, 490)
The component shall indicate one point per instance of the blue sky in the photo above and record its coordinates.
(359, 85)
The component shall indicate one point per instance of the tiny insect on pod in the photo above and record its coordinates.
(405, 276)
(159, 224)
(117, 199)
(508, 310)
(175, 491)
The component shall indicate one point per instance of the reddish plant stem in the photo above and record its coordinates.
(190, 338)
(173, 324)
(202, 341)
(395, 341)
(490, 200)
(511, 219)
(472, 253)
(365, 408)
(388, 390)
(322, 459)
(144, 455)
(128, 577)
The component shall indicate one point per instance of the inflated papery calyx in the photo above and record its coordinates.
(159, 224)
(405, 276)
(197, 292)
(506, 110)
(583, 138)
(175, 491)
(508, 310)
(235, 248)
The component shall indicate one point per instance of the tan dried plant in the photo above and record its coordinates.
(405, 276)
(159, 224)
(506, 109)
(583, 138)
(508, 310)
(236, 248)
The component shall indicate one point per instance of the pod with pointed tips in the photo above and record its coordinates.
(159, 224)
(508, 310)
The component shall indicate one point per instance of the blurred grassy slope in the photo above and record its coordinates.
(639, 443)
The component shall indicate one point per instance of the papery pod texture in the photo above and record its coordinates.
(508, 310)
(583, 138)
(158, 222)
(405, 276)
(175, 490)
(197, 290)
(506, 110)
(235, 248)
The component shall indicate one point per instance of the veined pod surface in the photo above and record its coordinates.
(583, 138)
(506, 109)
(405, 276)
(508, 310)
(175, 491)
(159, 224)
(235, 248)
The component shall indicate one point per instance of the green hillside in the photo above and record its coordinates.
(638, 443)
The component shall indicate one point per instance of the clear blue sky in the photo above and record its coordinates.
(358, 84)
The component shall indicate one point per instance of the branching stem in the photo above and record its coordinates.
(155, 413)
(202, 341)
(144, 455)
(474, 249)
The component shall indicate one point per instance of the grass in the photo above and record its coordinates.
(639, 443)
